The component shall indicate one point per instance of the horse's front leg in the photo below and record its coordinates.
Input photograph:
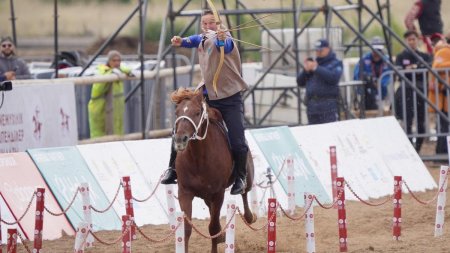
(248, 215)
(185, 200)
(214, 224)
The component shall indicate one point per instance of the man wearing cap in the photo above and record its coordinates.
(406, 60)
(9, 62)
(428, 13)
(374, 65)
(321, 79)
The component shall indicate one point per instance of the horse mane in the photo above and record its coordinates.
(182, 93)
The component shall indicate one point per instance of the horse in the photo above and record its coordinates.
(204, 162)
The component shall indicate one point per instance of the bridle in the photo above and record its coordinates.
(196, 127)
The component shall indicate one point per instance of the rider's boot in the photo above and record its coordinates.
(240, 172)
(170, 176)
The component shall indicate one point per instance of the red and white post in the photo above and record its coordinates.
(334, 172)
(85, 195)
(231, 227)
(171, 206)
(12, 240)
(342, 216)
(254, 199)
(291, 184)
(126, 184)
(81, 237)
(440, 206)
(39, 220)
(397, 219)
(179, 234)
(309, 224)
(127, 224)
(272, 227)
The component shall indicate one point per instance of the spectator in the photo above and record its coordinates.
(106, 106)
(441, 60)
(373, 68)
(228, 99)
(406, 60)
(321, 78)
(428, 13)
(10, 62)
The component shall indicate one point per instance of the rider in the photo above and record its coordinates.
(228, 99)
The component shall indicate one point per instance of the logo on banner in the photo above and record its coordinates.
(37, 124)
(64, 121)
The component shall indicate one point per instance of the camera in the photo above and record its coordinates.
(6, 86)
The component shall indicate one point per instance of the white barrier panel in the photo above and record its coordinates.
(391, 142)
(109, 162)
(368, 157)
(38, 115)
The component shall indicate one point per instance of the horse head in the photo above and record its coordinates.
(192, 114)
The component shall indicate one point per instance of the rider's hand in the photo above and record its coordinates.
(221, 34)
(176, 41)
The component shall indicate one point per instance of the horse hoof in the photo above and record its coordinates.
(255, 217)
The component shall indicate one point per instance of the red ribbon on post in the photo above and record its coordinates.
(126, 184)
(397, 220)
(342, 216)
(272, 228)
(39, 220)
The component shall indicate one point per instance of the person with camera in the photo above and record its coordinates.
(9, 62)
(373, 67)
(406, 60)
(321, 78)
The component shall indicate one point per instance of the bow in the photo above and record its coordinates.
(221, 46)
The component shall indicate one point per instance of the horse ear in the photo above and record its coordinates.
(199, 96)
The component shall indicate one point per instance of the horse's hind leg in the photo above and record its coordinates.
(214, 224)
(248, 215)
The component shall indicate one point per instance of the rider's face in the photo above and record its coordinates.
(209, 22)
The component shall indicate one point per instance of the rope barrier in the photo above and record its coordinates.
(440, 188)
(110, 205)
(367, 202)
(24, 243)
(126, 231)
(332, 204)
(148, 238)
(210, 236)
(67, 208)
(302, 217)
(23, 215)
(250, 226)
(151, 194)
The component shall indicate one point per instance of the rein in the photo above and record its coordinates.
(204, 117)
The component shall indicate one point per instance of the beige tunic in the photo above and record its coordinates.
(230, 80)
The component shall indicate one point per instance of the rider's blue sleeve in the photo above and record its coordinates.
(191, 41)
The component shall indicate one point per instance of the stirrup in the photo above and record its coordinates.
(170, 177)
(238, 187)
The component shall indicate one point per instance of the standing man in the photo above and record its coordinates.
(406, 60)
(321, 78)
(428, 13)
(9, 62)
(228, 99)
(373, 68)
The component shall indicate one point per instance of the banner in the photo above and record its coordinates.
(109, 162)
(38, 115)
(277, 143)
(64, 170)
(19, 180)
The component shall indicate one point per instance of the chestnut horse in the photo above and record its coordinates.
(204, 162)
